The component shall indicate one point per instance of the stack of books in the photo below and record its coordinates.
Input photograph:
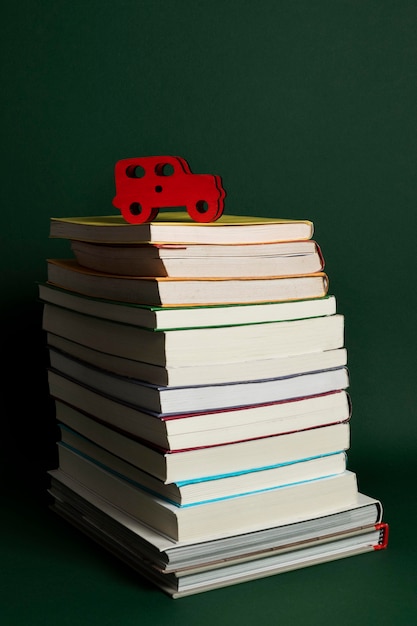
(200, 381)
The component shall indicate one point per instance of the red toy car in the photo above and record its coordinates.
(146, 184)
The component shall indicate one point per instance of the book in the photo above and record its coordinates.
(177, 465)
(164, 318)
(76, 501)
(198, 261)
(192, 492)
(178, 227)
(231, 516)
(197, 346)
(185, 583)
(199, 377)
(182, 583)
(352, 530)
(191, 430)
(203, 373)
(197, 398)
(170, 291)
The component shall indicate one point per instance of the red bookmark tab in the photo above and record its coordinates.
(384, 533)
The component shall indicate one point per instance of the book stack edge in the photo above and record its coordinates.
(203, 440)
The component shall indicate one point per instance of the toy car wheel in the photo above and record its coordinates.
(203, 211)
(136, 213)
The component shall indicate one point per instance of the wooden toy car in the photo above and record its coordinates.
(146, 184)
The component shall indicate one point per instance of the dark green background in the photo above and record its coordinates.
(307, 109)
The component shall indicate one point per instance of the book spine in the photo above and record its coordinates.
(321, 257)
(383, 536)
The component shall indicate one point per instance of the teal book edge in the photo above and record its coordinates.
(200, 480)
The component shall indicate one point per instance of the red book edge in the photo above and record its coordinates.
(383, 527)
(321, 257)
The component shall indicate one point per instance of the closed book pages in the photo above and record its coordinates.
(203, 373)
(205, 462)
(197, 346)
(203, 577)
(223, 517)
(170, 291)
(192, 492)
(195, 398)
(193, 260)
(75, 404)
(178, 227)
(167, 555)
(164, 318)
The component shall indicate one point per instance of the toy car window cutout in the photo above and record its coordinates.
(135, 171)
(146, 184)
(164, 169)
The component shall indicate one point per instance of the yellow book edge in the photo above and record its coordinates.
(172, 218)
